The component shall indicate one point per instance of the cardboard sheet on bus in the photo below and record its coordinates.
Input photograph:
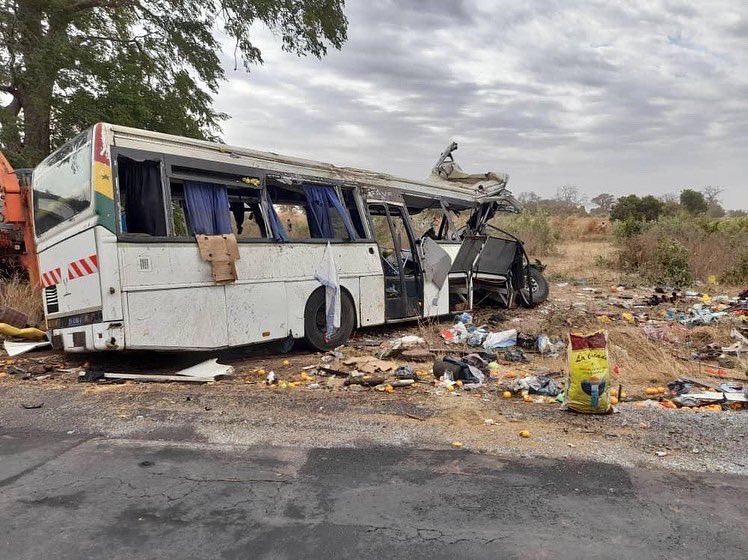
(221, 251)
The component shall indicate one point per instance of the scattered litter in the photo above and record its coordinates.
(271, 379)
(405, 372)
(28, 333)
(525, 434)
(502, 339)
(402, 382)
(370, 364)
(364, 380)
(548, 348)
(458, 370)
(209, 370)
(456, 334)
(536, 385)
(465, 318)
(516, 355)
(14, 348)
(661, 453)
(457, 444)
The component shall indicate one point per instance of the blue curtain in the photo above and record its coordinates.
(321, 199)
(207, 208)
(279, 232)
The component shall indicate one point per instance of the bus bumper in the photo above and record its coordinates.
(89, 338)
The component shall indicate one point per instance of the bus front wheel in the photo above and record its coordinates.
(315, 325)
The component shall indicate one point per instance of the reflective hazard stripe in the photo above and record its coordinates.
(51, 278)
(82, 267)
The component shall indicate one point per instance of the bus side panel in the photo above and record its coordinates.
(256, 312)
(71, 267)
(371, 306)
(190, 318)
(435, 300)
(171, 300)
(111, 295)
(294, 265)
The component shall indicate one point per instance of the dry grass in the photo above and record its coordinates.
(582, 228)
(21, 295)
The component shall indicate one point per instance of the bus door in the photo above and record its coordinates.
(403, 286)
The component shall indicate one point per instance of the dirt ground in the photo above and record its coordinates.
(308, 406)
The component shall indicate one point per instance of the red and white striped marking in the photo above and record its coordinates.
(82, 267)
(52, 278)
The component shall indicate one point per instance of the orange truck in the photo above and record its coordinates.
(17, 247)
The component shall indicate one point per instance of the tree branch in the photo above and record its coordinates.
(83, 5)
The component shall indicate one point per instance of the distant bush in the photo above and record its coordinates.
(632, 207)
(534, 229)
(677, 249)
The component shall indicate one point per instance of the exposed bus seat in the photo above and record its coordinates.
(460, 275)
(499, 269)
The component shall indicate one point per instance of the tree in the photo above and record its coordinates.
(711, 194)
(530, 201)
(713, 203)
(65, 64)
(632, 207)
(693, 201)
(603, 202)
(568, 200)
(570, 194)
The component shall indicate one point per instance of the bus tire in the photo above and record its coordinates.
(314, 321)
(540, 289)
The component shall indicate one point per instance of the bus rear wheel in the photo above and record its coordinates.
(315, 325)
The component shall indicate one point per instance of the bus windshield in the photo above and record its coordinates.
(62, 184)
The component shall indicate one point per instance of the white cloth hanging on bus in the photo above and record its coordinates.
(327, 274)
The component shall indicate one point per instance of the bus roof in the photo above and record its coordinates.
(453, 186)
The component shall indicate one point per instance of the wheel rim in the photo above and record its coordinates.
(534, 286)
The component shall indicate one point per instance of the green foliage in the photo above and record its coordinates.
(628, 228)
(693, 201)
(672, 258)
(632, 207)
(68, 64)
(665, 249)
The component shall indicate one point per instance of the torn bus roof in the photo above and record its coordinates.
(453, 185)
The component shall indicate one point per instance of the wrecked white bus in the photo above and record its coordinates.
(152, 241)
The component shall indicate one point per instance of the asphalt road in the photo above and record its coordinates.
(67, 497)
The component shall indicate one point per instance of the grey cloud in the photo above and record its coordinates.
(593, 94)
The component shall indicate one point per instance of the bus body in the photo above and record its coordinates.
(117, 210)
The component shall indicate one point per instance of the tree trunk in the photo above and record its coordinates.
(37, 108)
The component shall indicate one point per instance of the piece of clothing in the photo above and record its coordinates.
(327, 274)
(207, 208)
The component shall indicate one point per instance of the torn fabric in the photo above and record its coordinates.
(327, 274)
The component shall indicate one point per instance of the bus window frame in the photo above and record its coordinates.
(168, 174)
(295, 178)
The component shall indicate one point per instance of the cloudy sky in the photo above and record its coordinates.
(627, 96)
